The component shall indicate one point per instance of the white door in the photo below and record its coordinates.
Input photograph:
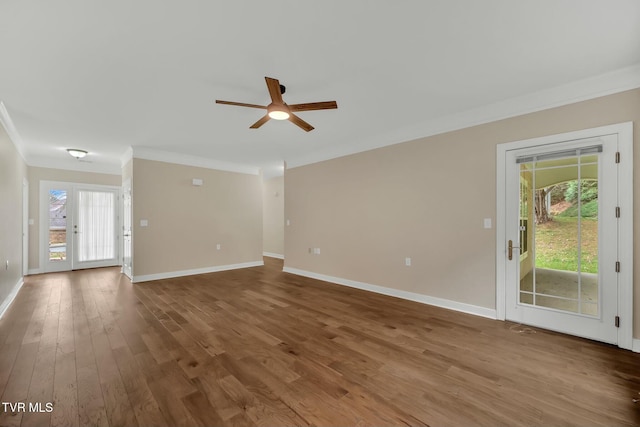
(126, 229)
(562, 237)
(79, 226)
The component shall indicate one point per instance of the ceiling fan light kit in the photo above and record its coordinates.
(279, 110)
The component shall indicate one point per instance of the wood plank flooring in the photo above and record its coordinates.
(266, 348)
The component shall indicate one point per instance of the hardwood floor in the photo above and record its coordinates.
(263, 347)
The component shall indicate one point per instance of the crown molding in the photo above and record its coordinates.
(188, 160)
(581, 90)
(11, 130)
(126, 157)
(75, 165)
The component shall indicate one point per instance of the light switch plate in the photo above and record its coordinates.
(487, 223)
(144, 223)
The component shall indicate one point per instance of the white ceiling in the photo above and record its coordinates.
(107, 75)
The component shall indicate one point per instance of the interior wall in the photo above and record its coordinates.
(37, 174)
(186, 222)
(13, 170)
(273, 216)
(426, 199)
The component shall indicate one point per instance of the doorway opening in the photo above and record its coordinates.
(79, 226)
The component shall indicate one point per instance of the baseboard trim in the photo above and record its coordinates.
(636, 345)
(273, 255)
(182, 273)
(411, 296)
(12, 296)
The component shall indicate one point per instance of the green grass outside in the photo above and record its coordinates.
(588, 210)
(557, 244)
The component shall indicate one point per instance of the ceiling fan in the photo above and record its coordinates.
(279, 110)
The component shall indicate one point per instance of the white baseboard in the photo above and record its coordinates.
(34, 271)
(411, 296)
(273, 255)
(636, 345)
(171, 274)
(12, 295)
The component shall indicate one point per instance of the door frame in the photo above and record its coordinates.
(71, 187)
(25, 227)
(624, 131)
(126, 189)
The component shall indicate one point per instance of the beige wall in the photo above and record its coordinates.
(186, 222)
(273, 215)
(13, 170)
(36, 175)
(426, 199)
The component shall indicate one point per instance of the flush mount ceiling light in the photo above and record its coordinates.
(78, 154)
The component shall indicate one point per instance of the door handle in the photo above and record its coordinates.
(510, 248)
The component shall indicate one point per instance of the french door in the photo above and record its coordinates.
(565, 233)
(562, 236)
(79, 226)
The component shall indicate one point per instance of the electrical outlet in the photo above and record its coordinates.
(218, 246)
(407, 261)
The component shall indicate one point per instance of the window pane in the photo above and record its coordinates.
(57, 225)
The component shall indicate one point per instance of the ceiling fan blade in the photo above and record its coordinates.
(241, 104)
(328, 105)
(260, 122)
(274, 90)
(300, 123)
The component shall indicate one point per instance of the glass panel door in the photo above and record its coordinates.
(561, 270)
(78, 226)
(56, 200)
(57, 225)
(561, 237)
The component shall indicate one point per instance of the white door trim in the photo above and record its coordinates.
(25, 227)
(625, 197)
(127, 269)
